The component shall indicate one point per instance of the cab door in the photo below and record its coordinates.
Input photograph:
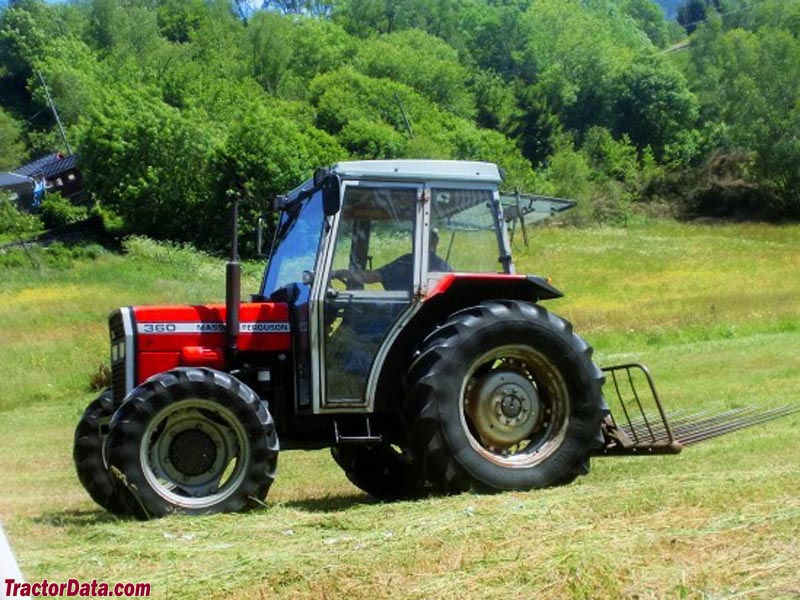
(371, 277)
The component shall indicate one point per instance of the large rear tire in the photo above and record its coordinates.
(383, 471)
(504, 396)
(89, 454)
(192, 441)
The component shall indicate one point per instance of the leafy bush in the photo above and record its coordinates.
(112, 222)
(15, 222)
(57, 211)
(150, 165)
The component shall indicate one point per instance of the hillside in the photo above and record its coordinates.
(679, 297)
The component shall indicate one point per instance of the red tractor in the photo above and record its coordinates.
(390, 326)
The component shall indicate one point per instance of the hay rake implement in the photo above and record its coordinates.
(639, 425)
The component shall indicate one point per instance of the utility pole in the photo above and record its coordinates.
(55, 112)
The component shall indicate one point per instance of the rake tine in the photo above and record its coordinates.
(676, 419)
(738, 424)
(703, 415)
(658, 436)
(710, 425)
(720, 418)
(691, 429)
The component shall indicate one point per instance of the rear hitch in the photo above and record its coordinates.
(637, 423)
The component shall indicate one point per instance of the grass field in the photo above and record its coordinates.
(714, 311)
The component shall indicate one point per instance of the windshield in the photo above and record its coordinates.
(296, 242)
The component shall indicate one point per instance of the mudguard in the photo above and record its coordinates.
(522, 287)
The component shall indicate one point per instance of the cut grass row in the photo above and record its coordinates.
(720, 520)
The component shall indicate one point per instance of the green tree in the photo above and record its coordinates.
(271, 37)
(12, 150)
(749, 89)
(422, 62)
(535, 126)
(150, 164)
(364, 18)
(649, 17)
(694, 12)
(265, 154)
(74, 76)
(653, 106)
(23, 37)
(573, 56)
(180, 20)
(496, 35)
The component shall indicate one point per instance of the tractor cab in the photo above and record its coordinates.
(357, 255)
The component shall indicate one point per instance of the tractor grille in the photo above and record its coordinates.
(116, 326)
(118, 381)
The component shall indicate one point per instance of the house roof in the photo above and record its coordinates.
(49, 166)
(17, 184)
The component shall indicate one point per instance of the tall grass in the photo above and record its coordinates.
(713, 310)
(668, 282)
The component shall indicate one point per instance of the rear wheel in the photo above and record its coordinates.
(193, 441)
(384, 471)
(89, 454)
(504, 396)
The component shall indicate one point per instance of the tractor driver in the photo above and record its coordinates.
(396, 275)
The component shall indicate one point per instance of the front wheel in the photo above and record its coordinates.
(504, 396)
(89, 454)
(192, 441)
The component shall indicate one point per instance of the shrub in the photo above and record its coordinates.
(100, 379)
(57, 211)
(14, 221)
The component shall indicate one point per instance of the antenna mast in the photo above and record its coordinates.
(55, 112)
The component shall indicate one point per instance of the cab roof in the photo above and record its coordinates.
(461, 171)
(420, 170)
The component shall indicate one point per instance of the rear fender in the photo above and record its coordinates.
(488, 286)
(445, 296)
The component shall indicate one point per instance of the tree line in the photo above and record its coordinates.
(175, 105)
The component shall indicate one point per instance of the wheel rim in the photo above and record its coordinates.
(514, 406)
(194, 453)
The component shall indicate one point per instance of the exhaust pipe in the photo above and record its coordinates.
(233, 289)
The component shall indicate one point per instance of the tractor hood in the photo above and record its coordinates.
(163, 337)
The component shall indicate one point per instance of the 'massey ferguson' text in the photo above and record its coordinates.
(72, 588)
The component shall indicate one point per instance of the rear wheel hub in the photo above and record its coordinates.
(504, 408)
